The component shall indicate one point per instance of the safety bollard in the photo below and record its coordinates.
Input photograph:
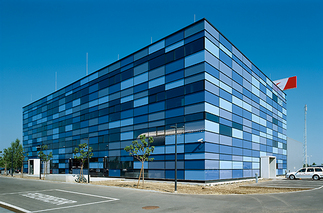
(256, 177)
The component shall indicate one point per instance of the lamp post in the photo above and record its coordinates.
(12, 165)
(175, 156)
(39, 162)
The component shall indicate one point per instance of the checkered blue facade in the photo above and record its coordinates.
(228, 112)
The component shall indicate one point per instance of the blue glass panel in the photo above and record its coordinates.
(175, 76)
(225, 149)
(237, 173)
(211, 98)
(141, 119)
(194, 98)
(141, 110)
(157, 107)
(237, 142)
(225, 43)
(194, 37)
(194, 164)
(225, 58)
(247, 165)
(175, 112)
(247, 144)
(224, 94)
(174, 66)
(170, 174)
(193, 148)
(174, 38)
(114, 172)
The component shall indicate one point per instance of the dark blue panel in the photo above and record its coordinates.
(225, 130)
(114, 88)
(194, 37)
(141, 110)
(237, 78)
(174, 66)
(246, 114)
(225, 58)
(194, 147)
(211, 70)
(114, 172)
(225, 43)
(140, 87)
(157, 107)
(224, 94)
(175, 112)
(127, 60)
(237, 110)
(170, 174)
(172, 157)
(175, 38)
(195, 164)
(175, 76)
(211, 98)
(194, 98)
(126, 114)
(237, 94)
(141, 119)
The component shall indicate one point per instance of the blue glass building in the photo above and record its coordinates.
(229, 113)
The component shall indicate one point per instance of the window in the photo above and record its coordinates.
(310, 170)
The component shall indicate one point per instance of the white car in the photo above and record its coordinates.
(315, 173)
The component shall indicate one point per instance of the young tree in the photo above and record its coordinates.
(45, 158)
(81, 153)
(7, 156)
(141, 151)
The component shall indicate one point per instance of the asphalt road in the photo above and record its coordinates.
(45, 196)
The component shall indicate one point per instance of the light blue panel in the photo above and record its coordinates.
(195, 58)
(194, 156)
(212, 137)
(76, 102)
(212, 48)
(225, 164)
(157, 82)
(93, 103)
(94, 165)
(126, 135)
(157, 46)
(211, 156)
(211, 164)
(68, 128)
(174, 84)
(211, 174)
(159, 150)
(137, 165)
(170, 139)
(194, 137)
(171, 164)
(174, 46)
(156, 165)
(114, 124)
(103, 100)
(127, 83)
(225, 140)
(194, 174)
(127, 122)
(212, 31)
(141, 78)
(140, 102)
(61, 165)
(237, 165)
(247, 173)
(61, 151)
(171, 149)
(126, 99)
(55, 157)
(225, 174)
(211, 126)
(212, 60)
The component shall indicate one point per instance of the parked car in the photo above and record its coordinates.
(316, 173)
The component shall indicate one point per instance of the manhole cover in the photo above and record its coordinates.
(150, 207)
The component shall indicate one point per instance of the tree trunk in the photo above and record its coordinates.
(143, 177)
(22, 168)
(142, 166)
(5, 168)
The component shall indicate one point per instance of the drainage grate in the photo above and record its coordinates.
(150, 207)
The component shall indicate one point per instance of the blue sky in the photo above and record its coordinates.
(38, 38)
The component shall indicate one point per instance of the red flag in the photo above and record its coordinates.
(287, 83)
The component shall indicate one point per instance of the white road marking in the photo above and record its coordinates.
(87, 194)
(12, 193)
(48, 198)
(14, 207)
(85, 204)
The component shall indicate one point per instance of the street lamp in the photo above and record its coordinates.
(39, 147)
(88, 161)
(175, 156)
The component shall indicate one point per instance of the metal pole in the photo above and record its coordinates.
(12, 165)
(305, 137)
(88, 161)
(40, 164)
(175, 156)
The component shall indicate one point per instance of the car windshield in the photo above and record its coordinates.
(301, 170)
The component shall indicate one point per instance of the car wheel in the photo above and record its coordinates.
(316, 177)
(291, 177)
